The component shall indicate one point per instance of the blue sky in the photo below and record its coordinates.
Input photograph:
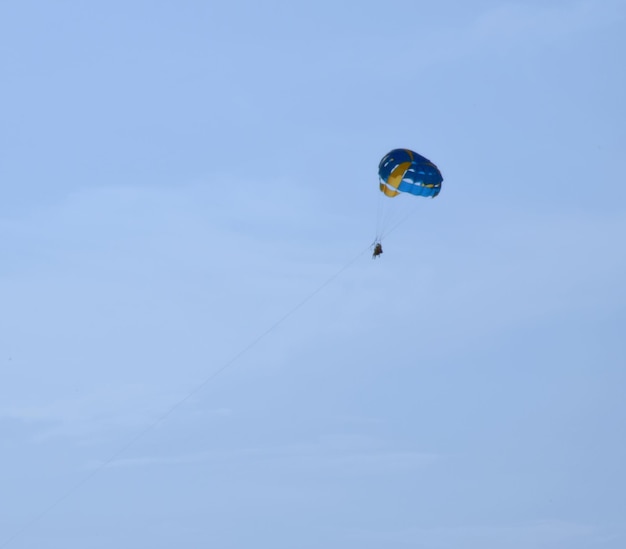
(176, 176)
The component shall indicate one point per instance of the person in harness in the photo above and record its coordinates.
(378, 249)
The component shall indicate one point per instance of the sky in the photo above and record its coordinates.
(192, 186)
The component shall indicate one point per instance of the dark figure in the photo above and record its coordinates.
(378, 249)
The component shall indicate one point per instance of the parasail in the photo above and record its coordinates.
(405, 171)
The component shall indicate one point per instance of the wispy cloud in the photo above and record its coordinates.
(514, 26)
(514, 23)
(538, 533)
(97, 414)
(348, 454)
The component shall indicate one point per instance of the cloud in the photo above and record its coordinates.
(347, 454)
(97, 414)
(513, 23)
(512, 27)
(538, 533)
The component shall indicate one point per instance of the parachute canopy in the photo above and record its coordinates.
(405, 171)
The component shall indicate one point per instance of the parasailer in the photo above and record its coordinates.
(402, 171)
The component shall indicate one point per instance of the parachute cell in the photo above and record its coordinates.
(405, 171)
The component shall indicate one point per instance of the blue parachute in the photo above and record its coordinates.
(405, 171)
